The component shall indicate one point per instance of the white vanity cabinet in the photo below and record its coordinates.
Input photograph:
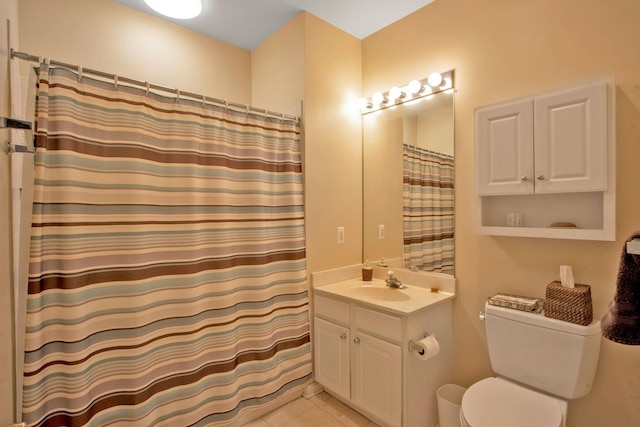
(356, 365)
(361, 356)
(551, 159)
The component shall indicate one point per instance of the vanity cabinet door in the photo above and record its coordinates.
(332, 357)
(377, 377)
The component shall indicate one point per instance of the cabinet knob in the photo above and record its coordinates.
(343, 336)
(482, 315)
(356, 340)
(524, 178)
(540, 177)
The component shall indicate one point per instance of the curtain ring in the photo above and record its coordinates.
(246, 110)
(115, 80)
(226, 105)
(79, 73)
(204, 100)
(148, 87)
(177, 95)
(282, 119)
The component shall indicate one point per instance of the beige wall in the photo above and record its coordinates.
(500, 50)
(107, 36)
(313, 61)
(333, 147)
(277, 67)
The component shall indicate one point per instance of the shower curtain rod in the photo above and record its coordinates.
(146, 85)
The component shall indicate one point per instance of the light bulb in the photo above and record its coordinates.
(395, 93)
(434, 79)
(377, 98)
(183, 9)
(363, 104)
(414, 86)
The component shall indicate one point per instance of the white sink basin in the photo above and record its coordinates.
(378, 293)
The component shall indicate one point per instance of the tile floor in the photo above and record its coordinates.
(322, 410)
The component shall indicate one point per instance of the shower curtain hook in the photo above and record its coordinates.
(226, 105)
(177, 95)
(247, 110)
(266, 114)
(79, 72)
(115, 80)
(204, 100)
(148, 87)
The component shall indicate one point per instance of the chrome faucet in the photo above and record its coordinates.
(393, 282)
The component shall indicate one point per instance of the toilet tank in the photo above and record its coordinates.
(547, 354)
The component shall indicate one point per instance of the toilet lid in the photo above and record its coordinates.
(499, 403)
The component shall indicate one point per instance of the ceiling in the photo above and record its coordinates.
(247, 23)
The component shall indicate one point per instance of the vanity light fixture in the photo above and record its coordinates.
(414, 91)
(178, 9)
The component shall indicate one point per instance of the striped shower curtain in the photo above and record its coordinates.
(428, 210)
(167, 273)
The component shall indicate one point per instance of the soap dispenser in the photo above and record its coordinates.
(367, 271)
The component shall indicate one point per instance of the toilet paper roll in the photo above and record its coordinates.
(426, 348)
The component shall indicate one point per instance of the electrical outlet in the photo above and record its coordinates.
(381, 231)
(340, 234)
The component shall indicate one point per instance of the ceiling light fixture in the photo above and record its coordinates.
(413, 91)
(178, 9)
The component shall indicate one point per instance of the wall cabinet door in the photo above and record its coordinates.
(504, 149)
(332, 357)
(555, 143)
(570, 129)
(377, 377)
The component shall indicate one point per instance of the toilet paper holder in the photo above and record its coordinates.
(412, 344)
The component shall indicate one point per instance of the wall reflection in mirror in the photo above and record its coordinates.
(408, 184)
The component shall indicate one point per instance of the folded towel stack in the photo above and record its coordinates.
(517, 302)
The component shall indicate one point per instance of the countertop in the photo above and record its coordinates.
(375, 293)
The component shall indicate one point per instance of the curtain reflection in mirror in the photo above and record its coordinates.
(428, 210)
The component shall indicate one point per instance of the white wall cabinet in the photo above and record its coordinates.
(551, 159)
(361, 357)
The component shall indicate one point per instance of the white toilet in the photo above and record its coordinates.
(540, 362)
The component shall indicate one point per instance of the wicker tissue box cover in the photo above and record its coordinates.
(569, 304)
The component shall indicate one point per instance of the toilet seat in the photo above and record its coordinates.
(494, 402)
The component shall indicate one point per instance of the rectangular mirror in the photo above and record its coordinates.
(408, 188)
